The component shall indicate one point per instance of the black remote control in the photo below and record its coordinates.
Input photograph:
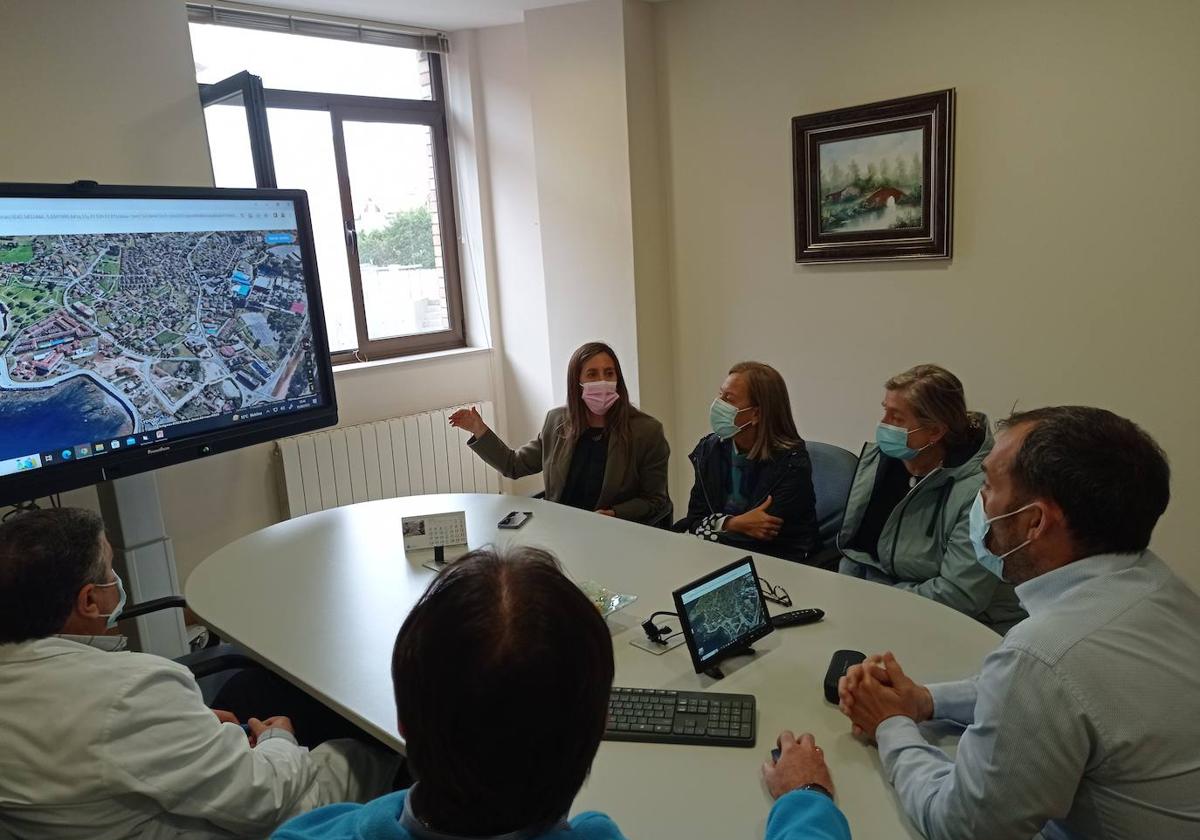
(790, 619)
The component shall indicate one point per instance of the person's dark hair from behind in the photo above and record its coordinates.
(46, 557)
(502, 673)
(1110, 478)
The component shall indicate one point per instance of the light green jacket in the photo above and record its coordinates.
(925, 546)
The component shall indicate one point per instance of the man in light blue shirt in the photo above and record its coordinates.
(1085, 722)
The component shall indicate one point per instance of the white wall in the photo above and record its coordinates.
(1074, 278)
(576, 68)
(107, 91)
(504, 122)
(647, 183)
(100, 91)
(566, 132)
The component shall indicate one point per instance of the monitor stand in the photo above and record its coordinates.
(143, 556)
(715, 671)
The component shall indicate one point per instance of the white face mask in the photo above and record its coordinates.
(116, 613)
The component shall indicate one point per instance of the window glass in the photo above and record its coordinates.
(229, 144)
(302, 62)
(396, 215)
(382, 195)
(303, 145)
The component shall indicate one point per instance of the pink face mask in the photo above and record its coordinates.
(600, 396)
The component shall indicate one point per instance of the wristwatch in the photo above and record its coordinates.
(818, 788)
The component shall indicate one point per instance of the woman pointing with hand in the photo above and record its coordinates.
(597, 452)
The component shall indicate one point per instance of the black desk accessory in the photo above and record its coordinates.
(797, 617)
(838, 666)
(680, 717)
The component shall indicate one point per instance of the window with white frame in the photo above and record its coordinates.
(355, 115)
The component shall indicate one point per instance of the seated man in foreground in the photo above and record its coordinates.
(1083, 722)
(502, 673)
(101, 742)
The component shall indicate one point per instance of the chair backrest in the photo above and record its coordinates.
(832, 472)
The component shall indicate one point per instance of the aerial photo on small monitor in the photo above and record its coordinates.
(103, 335)
(725, 614)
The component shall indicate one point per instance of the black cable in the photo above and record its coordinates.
(19, 508)
(655, 633)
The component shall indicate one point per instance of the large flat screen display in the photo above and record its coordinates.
(144, 326)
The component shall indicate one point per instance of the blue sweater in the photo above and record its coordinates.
(799, 814)
(806, 815)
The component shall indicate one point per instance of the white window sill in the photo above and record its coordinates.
(420, 358)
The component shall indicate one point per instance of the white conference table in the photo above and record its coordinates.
(319, 600)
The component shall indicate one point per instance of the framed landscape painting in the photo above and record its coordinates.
(875, 182)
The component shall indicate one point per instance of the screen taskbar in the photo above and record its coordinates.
(72, 451)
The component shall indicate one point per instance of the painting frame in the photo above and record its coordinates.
(844, 216)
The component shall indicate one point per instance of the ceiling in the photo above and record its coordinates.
(435, 14)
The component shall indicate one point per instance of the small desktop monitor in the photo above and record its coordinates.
(144, 326)
(722, 613)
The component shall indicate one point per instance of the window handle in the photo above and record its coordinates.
(351, 237)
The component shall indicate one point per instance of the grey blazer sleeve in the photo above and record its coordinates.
(653, 497)
(525, 461)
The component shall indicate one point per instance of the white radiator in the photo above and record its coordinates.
(403, 456)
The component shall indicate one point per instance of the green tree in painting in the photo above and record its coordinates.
(837, 175)
(407, 239)
(855, 171)
(833, 178)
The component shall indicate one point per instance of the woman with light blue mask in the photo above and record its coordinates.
(753, 486)
(907, 521)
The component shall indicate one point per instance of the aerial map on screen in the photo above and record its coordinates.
(111, 337)
(724, 610)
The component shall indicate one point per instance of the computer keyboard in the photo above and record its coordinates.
(680, 717)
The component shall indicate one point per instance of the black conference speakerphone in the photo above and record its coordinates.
(680, 717)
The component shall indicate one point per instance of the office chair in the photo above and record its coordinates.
(212, 665)
(832, 473)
